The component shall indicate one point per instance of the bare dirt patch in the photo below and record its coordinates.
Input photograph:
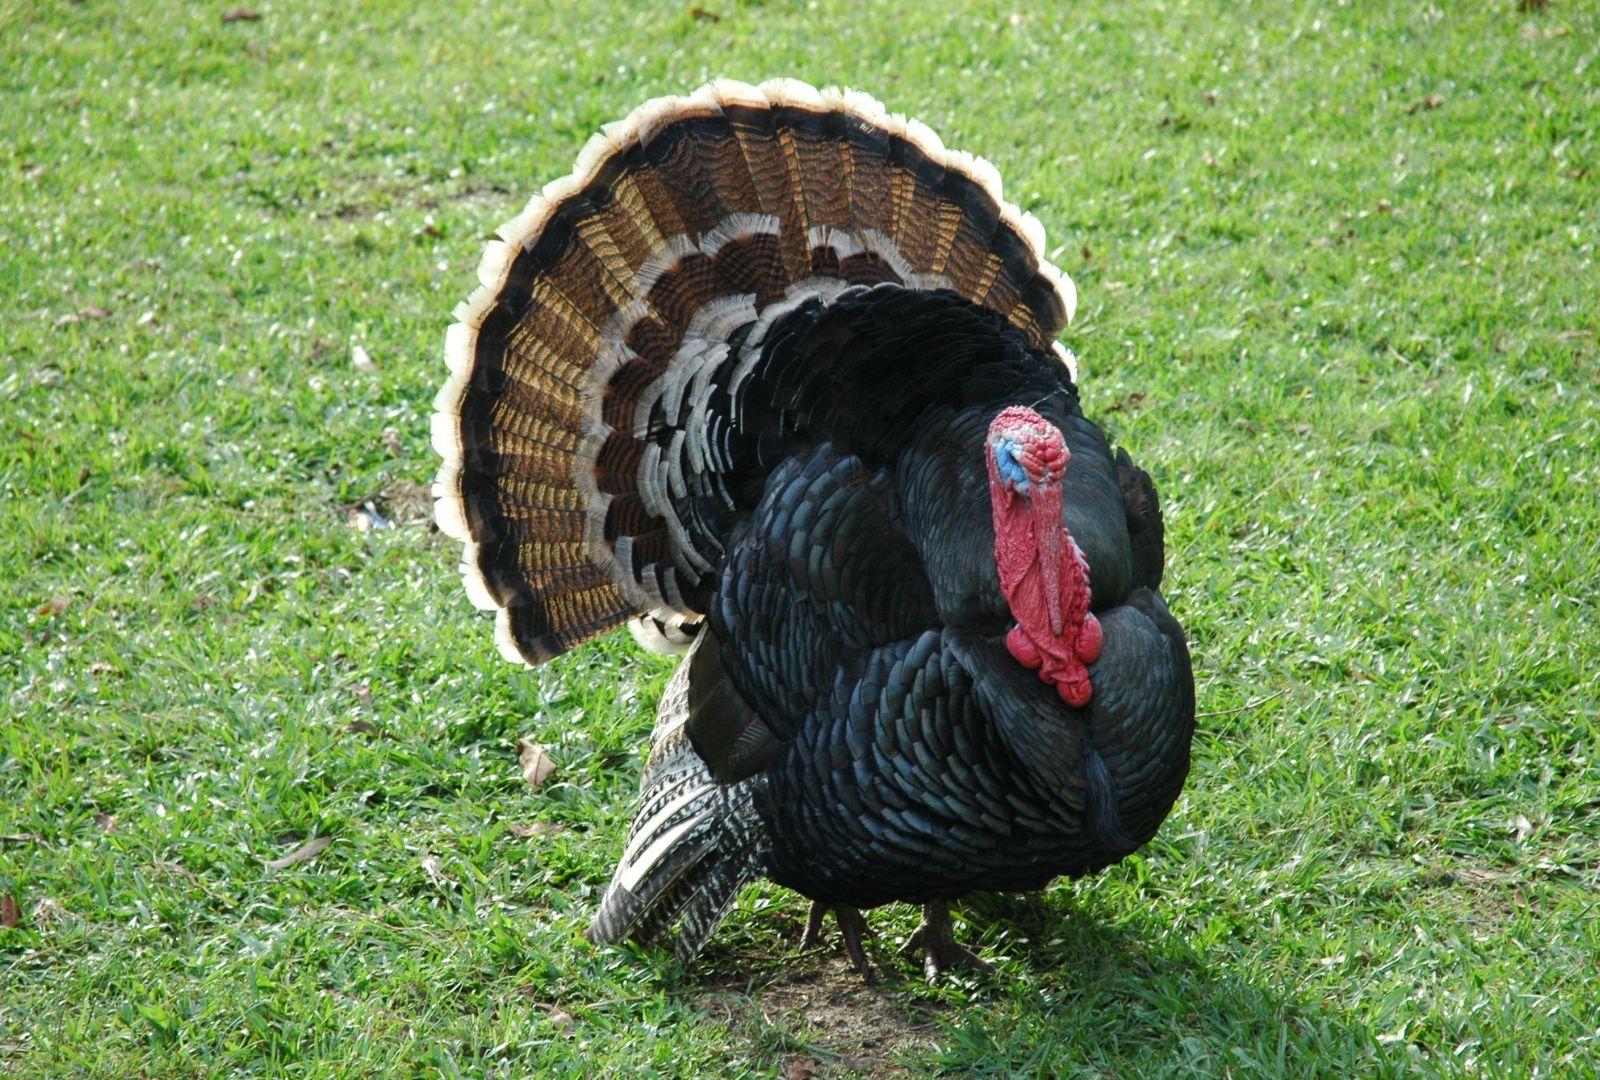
(848, 1028)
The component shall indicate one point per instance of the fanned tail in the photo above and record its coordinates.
(590, 434)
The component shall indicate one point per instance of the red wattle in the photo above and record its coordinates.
(1043, 574)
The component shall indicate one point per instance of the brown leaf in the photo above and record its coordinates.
(362, 692)
(53, 606)
(304, 853)
(106, 822)
(240, 14)
(703, 15)
(1429, 103)
(537, 766)
(10, 916)
(96, 313)
(367, 727)
(100, 667)
(801, 1068)
(538, 828)
(562, 1020)
(1532, 5)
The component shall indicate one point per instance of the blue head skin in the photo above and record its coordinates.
(1006, 453)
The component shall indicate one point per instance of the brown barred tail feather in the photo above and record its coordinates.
(585, 372)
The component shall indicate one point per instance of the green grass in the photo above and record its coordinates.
(1348, 256)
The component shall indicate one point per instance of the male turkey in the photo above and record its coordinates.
(775, 373)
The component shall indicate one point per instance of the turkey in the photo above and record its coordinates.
(773, 376)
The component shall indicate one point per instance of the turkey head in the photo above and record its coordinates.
(1043, 574)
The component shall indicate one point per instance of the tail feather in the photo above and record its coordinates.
(607, 306)
(693, 845)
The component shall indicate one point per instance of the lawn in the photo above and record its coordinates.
(1338, 282)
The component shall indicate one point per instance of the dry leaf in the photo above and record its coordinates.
(106, 822)
(1432, 101)
(1481, 876)
(703, 15)
(365, 518)
(47, 911)
(367, 727)
(361, 359)
(434, 868)
(562, 1020)
(537, 766)
(53, 606)
(801, 1068)
(9, 915)
(538, 828)
(304, 853)
(362, 692)
(240, 15)
(100, 667)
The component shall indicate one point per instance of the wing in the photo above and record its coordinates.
(1146, 533)
(823, 574)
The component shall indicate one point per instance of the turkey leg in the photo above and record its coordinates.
(852, 927)
(934, 942)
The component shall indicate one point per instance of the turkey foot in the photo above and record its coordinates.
(852, 927)
(934, 942)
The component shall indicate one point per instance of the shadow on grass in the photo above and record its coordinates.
(1072, 996)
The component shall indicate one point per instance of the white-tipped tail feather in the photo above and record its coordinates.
(606, 304)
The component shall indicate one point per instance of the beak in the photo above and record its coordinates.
(1050, 535)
